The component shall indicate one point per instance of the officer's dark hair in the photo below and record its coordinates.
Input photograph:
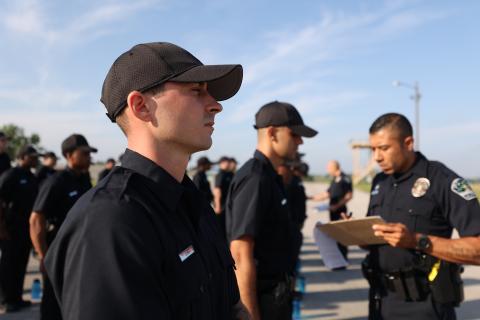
(395, 121)
(122, 121)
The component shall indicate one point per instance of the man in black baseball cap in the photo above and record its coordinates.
(18, 189)
(258, 216)
(56, 196)
(282, 114)
(200, 178)
(149, 65)
(144, 242)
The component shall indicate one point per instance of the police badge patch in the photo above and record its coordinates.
(462, 188)
(420, 187)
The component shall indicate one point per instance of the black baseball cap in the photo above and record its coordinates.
(202, 161)
(28, 150)
(224, 158)
(282, 114)
(75, 141)
(50, 154)
(148, 65)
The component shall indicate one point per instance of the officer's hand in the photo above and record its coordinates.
(346, 216)
(395, 234)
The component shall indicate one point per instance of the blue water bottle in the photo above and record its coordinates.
(301, 284)
(296, 314)
(36, 290)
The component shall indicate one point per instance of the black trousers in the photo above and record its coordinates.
(49, 308)
(275, 299)
(393, 307)
(13, 265)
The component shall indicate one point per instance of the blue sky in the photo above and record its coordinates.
(334, 60)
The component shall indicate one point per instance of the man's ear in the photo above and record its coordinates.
(272, 133)
(409, 143)
(137, 103)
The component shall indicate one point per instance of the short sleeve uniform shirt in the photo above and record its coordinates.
(18, 189)
(339, 187)
(257, 206)
(141, 245)
(222, 181)
(58, 194)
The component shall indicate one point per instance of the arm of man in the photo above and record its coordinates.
(242, 252)
(322, 196)
(464, 250)
(38, 233)
(347, 197)
(217, 195)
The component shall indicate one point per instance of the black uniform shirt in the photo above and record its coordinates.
(339, 187)
(200, 180)
(18, 189)
(222, 181)
(141, 245)
(4, 162)
(43, 173)
(257, 207)
(429, 199)
(297, 198)
(103, 174)
(58, 194)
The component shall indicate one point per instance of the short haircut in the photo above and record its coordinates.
(122, 120)
(394, 121)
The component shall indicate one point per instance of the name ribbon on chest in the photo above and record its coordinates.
(186, 253)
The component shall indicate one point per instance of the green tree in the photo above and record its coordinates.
(17, 139)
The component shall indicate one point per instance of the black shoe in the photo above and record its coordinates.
(10, 307)
(24, 304)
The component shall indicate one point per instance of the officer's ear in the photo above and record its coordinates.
(272, 133)
(409, 143)
(137, 104)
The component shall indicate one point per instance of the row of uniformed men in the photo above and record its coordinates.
(145, 243)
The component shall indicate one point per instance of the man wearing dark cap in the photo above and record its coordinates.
(144, 242)
(55, 198)
(258, 221)
(220, 191)
(18, 189)
(109, 164)
(47, 168)
(4, 158)
(200, 178)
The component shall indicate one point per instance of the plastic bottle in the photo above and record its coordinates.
(36, 290)
(296, 313)
(301, 284)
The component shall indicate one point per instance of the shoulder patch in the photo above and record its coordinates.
(461, 187)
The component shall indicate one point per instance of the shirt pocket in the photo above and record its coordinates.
(186, 285)
(419, 214)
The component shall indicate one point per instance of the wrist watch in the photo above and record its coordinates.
(423, 243)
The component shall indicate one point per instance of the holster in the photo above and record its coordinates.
(447, 287)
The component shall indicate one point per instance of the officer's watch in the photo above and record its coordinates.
(423, 243)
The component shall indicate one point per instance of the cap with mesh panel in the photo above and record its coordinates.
(150, 64)
(279, 114)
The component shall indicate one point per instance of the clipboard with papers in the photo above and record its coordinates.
(354, 231)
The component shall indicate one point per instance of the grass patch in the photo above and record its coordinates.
(476, 188)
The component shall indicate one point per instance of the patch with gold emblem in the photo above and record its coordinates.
(420, 187)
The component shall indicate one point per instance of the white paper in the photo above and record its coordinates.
(331, 255)
(322, 207)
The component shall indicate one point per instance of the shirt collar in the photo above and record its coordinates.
(170, 189)
(419, 168)
(264, 160)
